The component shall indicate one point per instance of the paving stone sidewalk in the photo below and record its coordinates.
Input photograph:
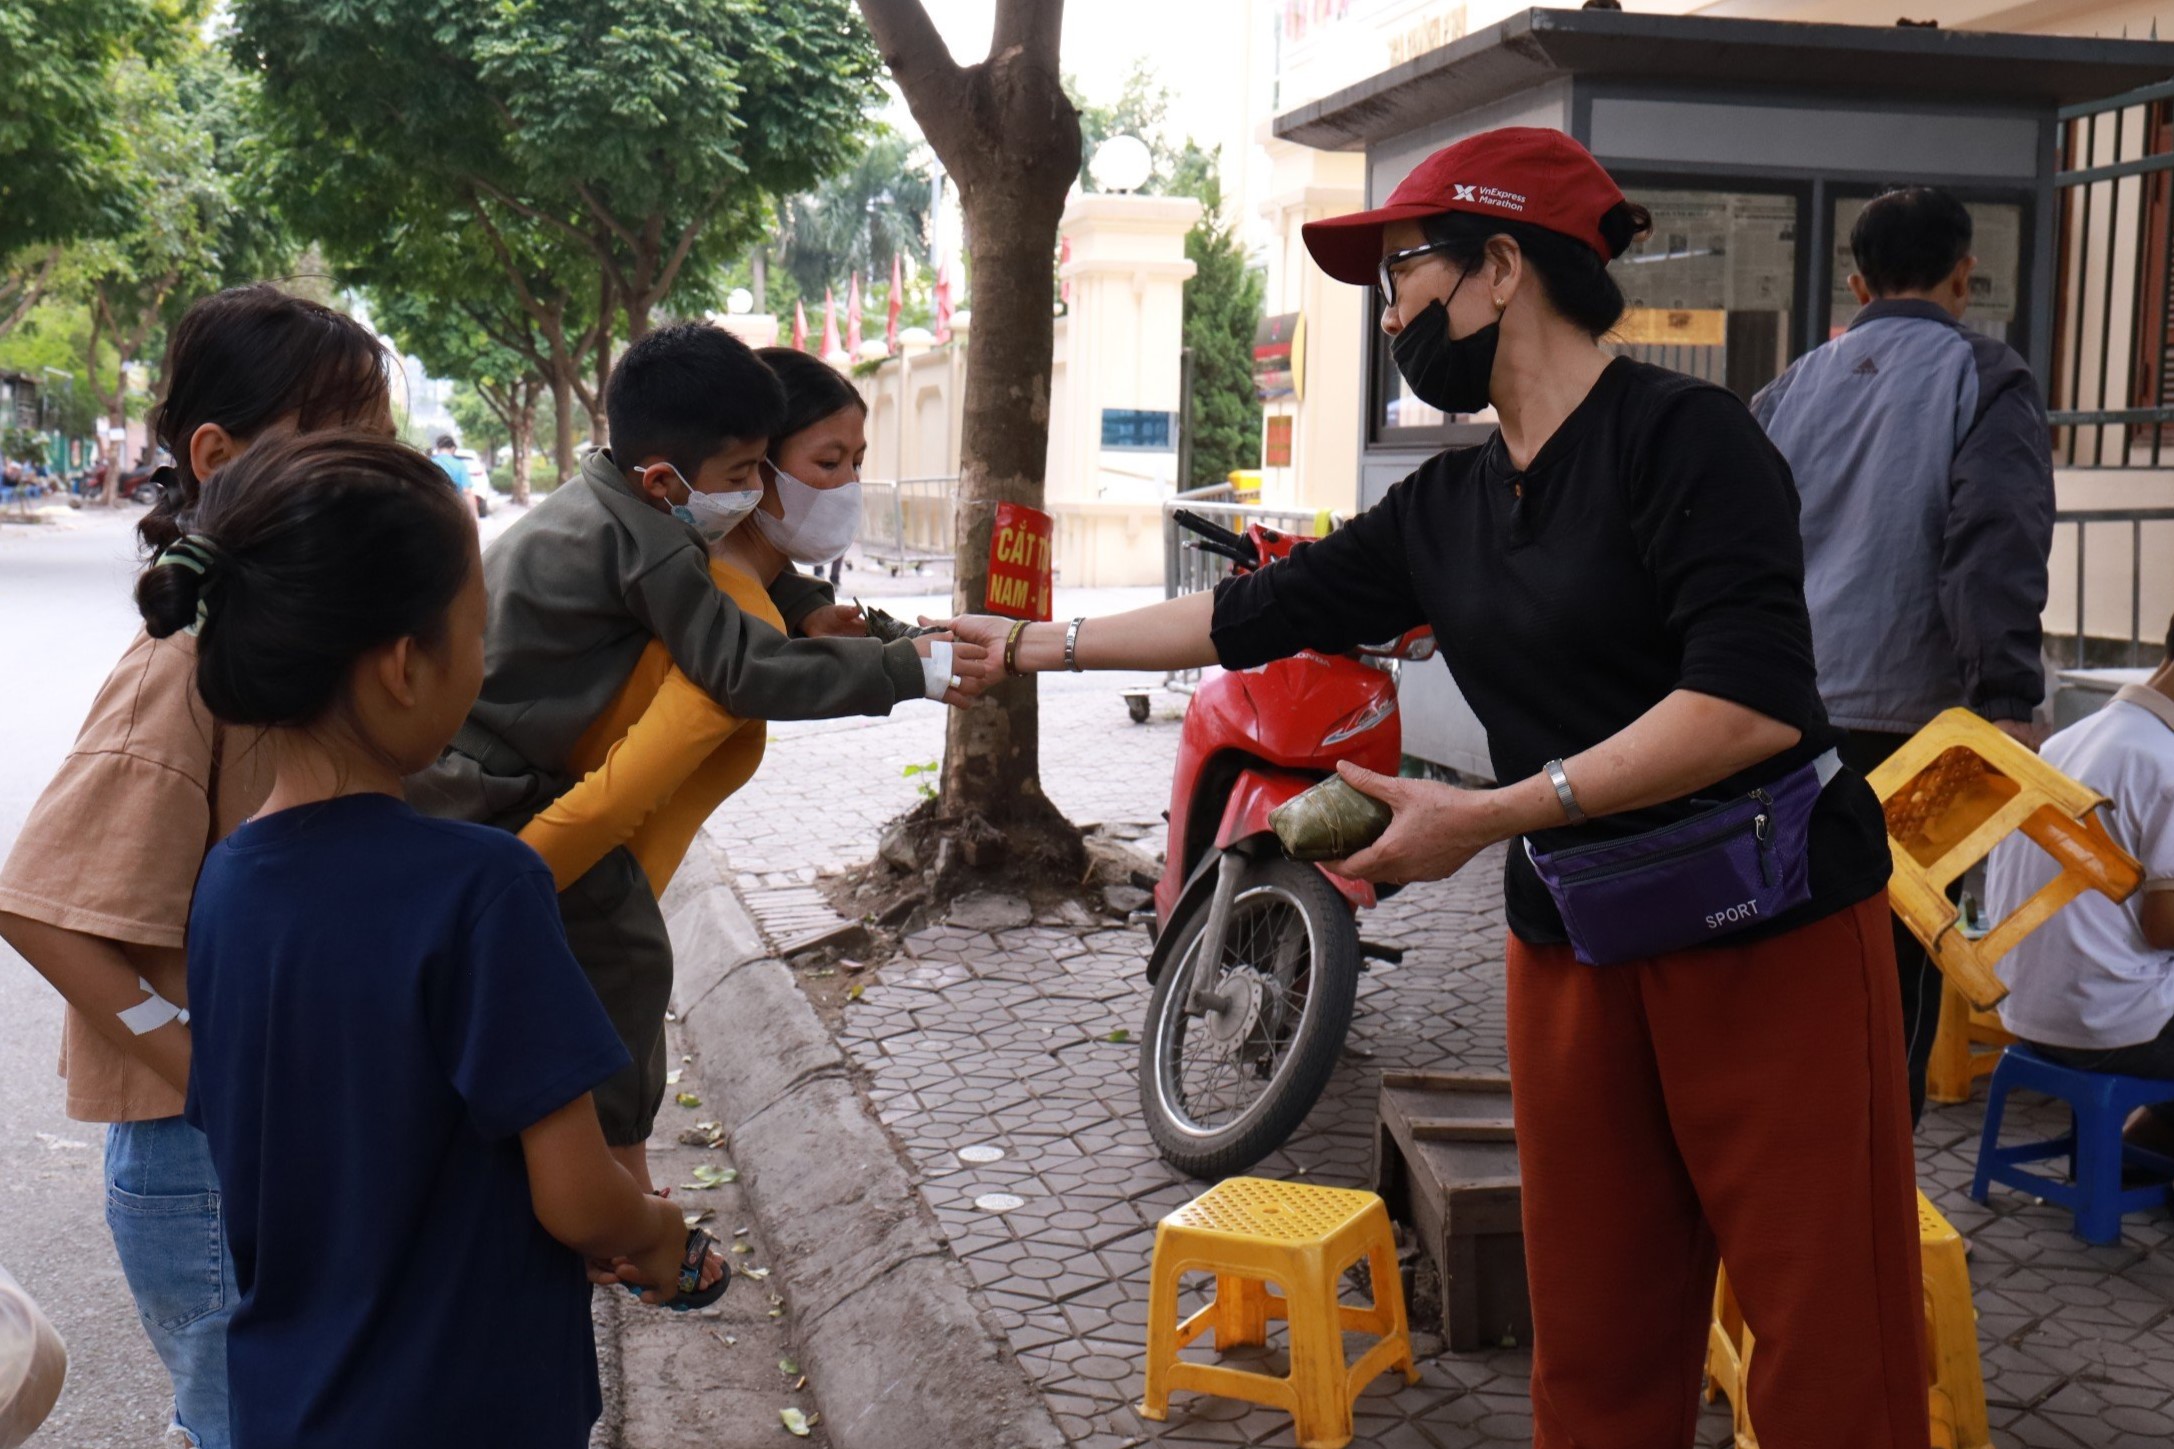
(997, 1040)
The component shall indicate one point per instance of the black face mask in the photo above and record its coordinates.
(1450, 373)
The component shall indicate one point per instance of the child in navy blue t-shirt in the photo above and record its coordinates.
(393, 1046)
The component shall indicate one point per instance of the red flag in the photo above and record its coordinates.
(800, 328)
(853, 316)
(890, 324)
(943, 300)
(830, 322)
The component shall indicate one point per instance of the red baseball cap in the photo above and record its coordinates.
(1531, 174)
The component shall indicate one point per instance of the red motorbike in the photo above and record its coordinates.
(1256, 957)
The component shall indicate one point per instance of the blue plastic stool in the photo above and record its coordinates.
(2098, 1103)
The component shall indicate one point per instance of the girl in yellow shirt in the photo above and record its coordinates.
(665, 755)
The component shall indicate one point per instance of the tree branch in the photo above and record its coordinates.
(670, 272)
(922, 65)
(28, 288)
(603, 214)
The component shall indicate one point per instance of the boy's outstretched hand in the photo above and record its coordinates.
(973, 669)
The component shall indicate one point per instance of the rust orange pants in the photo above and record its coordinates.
(1745, 1103)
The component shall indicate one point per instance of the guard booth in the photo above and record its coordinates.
(1755, 144)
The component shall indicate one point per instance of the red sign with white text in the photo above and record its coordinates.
(1019, 560)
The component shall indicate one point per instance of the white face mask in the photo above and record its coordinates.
(819, 523)
(713, 515)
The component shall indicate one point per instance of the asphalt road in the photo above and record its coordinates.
(65, 616)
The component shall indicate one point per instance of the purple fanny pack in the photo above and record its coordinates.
(1724, 870)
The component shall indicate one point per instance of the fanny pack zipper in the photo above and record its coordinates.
(1762, 828)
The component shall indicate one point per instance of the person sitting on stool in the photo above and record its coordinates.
(2093, 987)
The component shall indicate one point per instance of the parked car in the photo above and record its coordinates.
(479, 481)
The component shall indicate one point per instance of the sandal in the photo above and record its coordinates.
(690, 1293)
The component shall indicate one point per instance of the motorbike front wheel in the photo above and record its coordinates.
(1223, 1089)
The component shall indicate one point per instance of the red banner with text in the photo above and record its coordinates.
(1019, 559)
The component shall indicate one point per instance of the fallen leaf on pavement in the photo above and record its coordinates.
(788, 1368)
(1119, 1035)
(796, 1423)
(688, 1099)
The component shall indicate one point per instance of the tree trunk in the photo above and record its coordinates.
(524, 425)
(599, 422)
(759, 269)
(562, 409)
(992, 750)
(1010, 138)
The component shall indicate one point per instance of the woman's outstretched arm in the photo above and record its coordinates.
(1169, 635)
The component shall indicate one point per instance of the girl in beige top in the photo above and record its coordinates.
(95, 893)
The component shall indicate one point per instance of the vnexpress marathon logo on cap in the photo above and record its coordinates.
(1493, 196)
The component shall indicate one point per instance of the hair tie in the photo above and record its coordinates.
(199, 555)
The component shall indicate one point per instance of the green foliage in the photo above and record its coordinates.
(196, 220)
(1142, 109)
(54, 337)
(542, 477)
(481, 428)
(646, 134)
(1222, 313)
(61, 151)
(856, 221)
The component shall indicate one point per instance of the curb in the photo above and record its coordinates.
(883, 1316)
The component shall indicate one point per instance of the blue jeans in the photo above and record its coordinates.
(162, 1203)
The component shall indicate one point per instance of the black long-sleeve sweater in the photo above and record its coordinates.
(1652, 546)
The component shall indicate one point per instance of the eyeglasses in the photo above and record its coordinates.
(1389, 264)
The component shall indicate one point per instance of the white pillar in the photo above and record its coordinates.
(1307, 186)
(1123, 331)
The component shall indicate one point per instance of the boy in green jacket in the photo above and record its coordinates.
(611, 559)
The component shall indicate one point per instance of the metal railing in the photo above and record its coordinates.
(2082, 520)
(907, 522)
(2112, 387)
(1194, 570)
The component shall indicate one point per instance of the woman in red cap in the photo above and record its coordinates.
(1703, 1023)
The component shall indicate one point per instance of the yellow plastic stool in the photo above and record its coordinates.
(1957, 1062)
(1954, 791)
(1250, 1233)
(1957, 1380)
(1954, 1380)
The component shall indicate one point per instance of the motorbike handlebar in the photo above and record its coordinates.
(1187, 519)
(1242, 556)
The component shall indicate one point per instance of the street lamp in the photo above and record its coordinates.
(1122, 163)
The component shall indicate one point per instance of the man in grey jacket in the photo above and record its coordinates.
(1924, 462)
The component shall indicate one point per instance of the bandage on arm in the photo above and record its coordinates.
(936, 669)
(99, 977)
